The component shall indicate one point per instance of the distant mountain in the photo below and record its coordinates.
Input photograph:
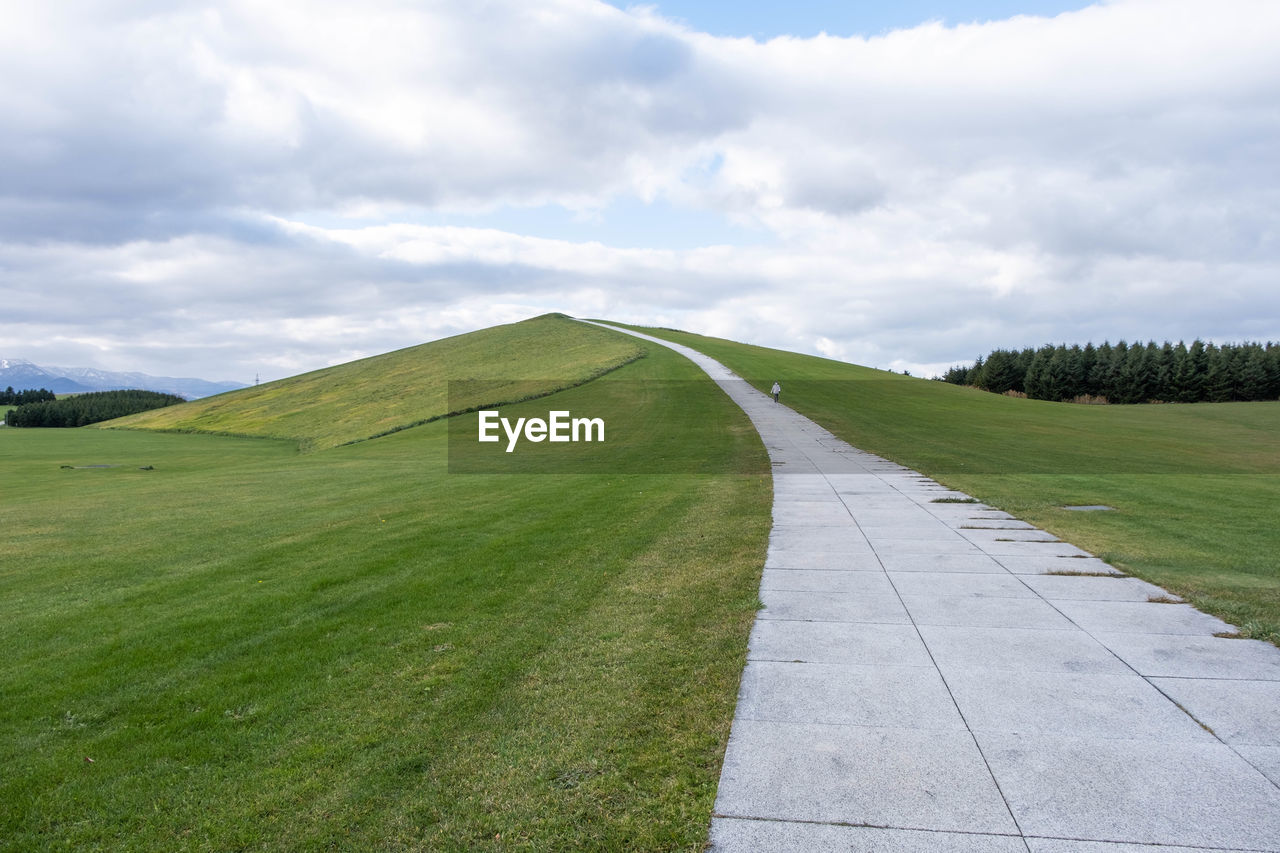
(22, 374)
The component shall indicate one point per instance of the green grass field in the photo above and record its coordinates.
(252, 648)
(1195, 487)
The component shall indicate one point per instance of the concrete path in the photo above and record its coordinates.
(937, 676)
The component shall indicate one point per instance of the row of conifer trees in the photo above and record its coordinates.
(82, 409)
(1130, 373)
(10, 397)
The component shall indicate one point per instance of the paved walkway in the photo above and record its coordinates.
(927, 676)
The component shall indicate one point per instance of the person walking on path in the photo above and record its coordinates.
(775, 391)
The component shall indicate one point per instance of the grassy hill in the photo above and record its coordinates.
(379, 395)
(250, 648)
(1194, 487)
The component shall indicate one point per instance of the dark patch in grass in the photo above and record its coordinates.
(1163, 599)
(954, 501)
(570, 779)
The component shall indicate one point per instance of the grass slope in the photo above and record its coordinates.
(354, 649)
(378, 395)
(1195, 487)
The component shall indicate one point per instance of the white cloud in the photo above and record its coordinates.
(928, 194)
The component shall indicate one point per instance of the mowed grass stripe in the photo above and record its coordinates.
(1195, 487)
(354, 649)
(379, 395)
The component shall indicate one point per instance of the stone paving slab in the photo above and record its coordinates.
(1051, 564)
(964, 563)
(1057, 587)
(892, 517)
(991, 515)
(810, 512)
(978, 612)
(880, 532)
(1239, 712)
(988, 585)
(754, 836)
(832, 607)
(1032, 549)
(958, 545)
(923, 779)
(1111, 706)
(783, 483)
(807, 497)
(1021, 650)
(1060, 845)
(830, 694)
(810, 580)
(985, 536)
(998, 524)
(836, 642)
(1142, 617)
(845, 538)
(857, 561)
(1189, 656)
(1265, 758)
(1136, 791)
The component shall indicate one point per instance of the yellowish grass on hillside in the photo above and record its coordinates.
(385, 393)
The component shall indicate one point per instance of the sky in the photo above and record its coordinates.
(237, 189)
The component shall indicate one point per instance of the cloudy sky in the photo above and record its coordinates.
(229, 189)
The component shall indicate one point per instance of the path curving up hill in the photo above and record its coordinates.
(931, 674)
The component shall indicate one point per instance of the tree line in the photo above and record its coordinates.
(1130, 373)
(82, 409)
(9, 397)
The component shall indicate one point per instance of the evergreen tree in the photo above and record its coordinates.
(1058, 379)
(1098, 372)
(977, 372)
(1193, 390)
(1113, 380)
(1165, 367)
(1088, 359)
(1035, 384)
(1000, 373)
(1181, 374)
(1137, 375)
(1217, 380)
(1022, 365)
(1254, 381)
(1077, 374)
(1271, 354)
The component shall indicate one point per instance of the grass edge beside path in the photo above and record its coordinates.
(1194, 486)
